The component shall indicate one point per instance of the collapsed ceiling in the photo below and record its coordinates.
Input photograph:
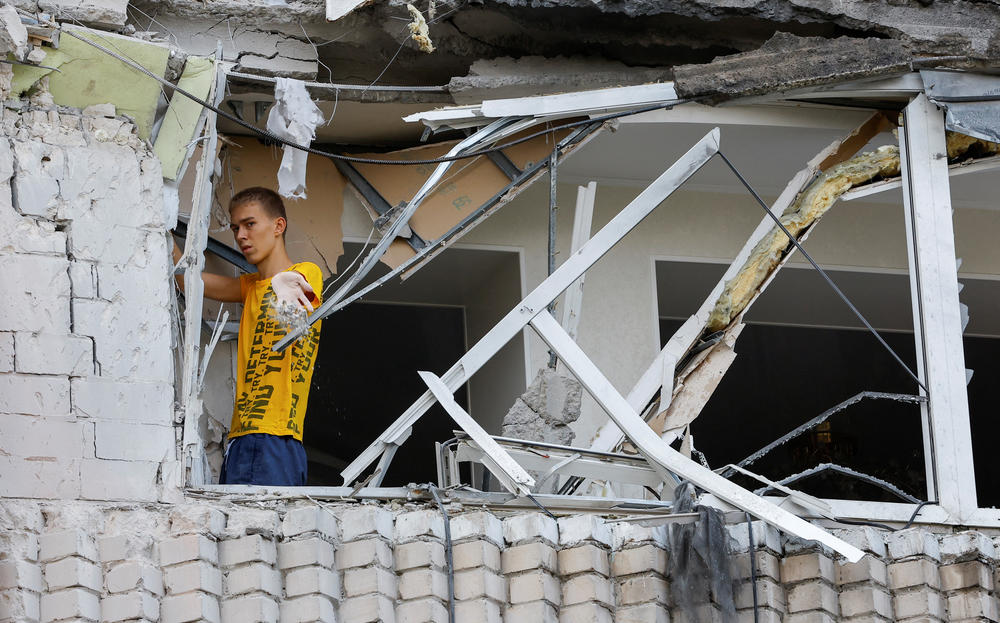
(621, 42)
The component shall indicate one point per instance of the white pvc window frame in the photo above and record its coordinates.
(937, 329)
(933, 271)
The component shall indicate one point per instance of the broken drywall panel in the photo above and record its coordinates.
(294, 117)
(180, 121)
(469, 185)
(314, 233)
(93, 77)
(700, 384)
(788, 62)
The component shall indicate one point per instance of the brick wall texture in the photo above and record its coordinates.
(86, 367)
(281, 560)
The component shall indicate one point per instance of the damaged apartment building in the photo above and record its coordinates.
(633, 311)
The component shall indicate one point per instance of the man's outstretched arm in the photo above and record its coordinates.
(217, 287)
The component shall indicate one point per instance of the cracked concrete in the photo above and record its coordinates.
(560, 45)
(788, 62)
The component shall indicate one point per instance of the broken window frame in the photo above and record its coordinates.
(930, 243)
(191, 264)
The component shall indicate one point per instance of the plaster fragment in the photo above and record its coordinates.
(294, 117)
(13, 34)
(36, 55)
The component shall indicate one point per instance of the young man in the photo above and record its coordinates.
(272, 389)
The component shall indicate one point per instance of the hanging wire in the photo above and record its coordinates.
(319, 152)
(753, 569)
(448, 555)
(822, 272)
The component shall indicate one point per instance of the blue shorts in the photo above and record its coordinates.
(262, 459)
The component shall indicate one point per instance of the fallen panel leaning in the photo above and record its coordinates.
(535, 302)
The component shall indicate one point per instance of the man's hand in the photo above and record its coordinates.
(292, 288)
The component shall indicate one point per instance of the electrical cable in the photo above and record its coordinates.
(319, 152)
(353, 262)
(448, 557)
(753, 569)
(822, 272)
(916, 512)
(539, 505)
(874, 524)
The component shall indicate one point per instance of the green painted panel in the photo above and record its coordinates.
(88, 76)
(181, 119)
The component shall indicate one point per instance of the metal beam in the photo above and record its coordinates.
(937, 321)
(495, 458)
(505, 164)
(629, 470)
(374, 198)
(659, 453)
(571, 270)
(492, 132)
(193, 262)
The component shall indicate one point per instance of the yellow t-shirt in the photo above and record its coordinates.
(272, 389)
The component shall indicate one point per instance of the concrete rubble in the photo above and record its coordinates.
(545, 410)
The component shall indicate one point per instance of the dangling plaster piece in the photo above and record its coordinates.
(294, 117)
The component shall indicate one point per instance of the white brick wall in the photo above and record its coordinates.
(166, 561)
(36, 293)
(48, 353)
(86, 368)
(34, 395)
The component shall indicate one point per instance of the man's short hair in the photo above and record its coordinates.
(269, 200)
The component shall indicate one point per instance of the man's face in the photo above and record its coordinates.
(255, 232)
